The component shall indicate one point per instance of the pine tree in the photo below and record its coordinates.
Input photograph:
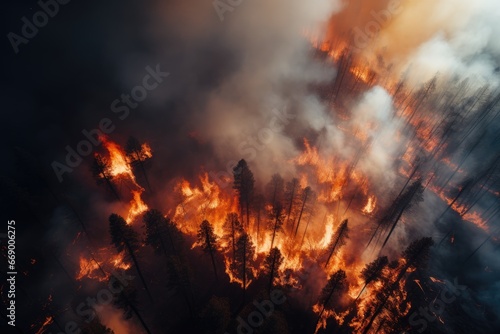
(124, 238)
(415, 256)
(336, 283)
(232, 230)
(208, 241)
(161, 233)
(277, 217)
(244, 184)
(271, 265)
(338, 240)
(245, 251)
(372, 271)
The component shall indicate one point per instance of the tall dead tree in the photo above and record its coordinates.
(232, 230)
(291, 197)
(306, 197)
(259, 207)
(276, 222)
(338, 240)
(412, 196)
(391, 213)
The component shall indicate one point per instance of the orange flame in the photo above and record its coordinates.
(118, 159)
(137, 206)
(48, 321)
(370, 205)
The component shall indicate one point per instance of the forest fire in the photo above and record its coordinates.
(344, 163)
(275, 235)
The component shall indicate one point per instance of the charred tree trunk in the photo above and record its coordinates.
(211, 251)
(138, 269)
(300, 214)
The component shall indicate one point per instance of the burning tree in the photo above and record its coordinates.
(275, 189)
(138, 154)
(292, 197)
(306, 198)
(233, 229)
(277, 217)
(415, 256)
(243, 256)
(124, 238)
(259, 208)
(372, 272)
(244, 183)
(208, 241)
(338, 240)
(336, 283)
(101, 169)
(271, 265)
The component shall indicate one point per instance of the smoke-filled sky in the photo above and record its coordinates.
(244, 82)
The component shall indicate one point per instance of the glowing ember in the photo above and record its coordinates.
(48, 321)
